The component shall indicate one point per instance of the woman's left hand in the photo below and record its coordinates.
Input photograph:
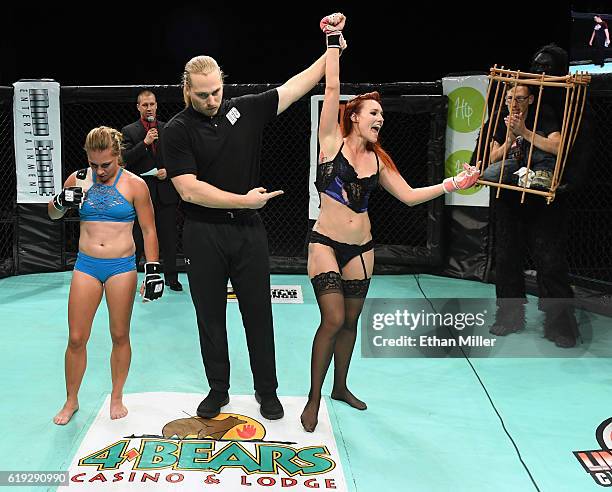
(464, 180)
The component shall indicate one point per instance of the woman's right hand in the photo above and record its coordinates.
(332, 23)
(69, 197)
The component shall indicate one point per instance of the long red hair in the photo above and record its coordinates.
(354, 106)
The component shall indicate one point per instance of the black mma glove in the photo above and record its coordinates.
(71, 197)
(153, 283)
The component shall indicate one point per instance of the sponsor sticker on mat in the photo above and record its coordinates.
(279, 294)
(162, 445)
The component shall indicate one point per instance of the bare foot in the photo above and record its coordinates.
(310, 416)
(348, 397)
(117, 409)
(66, 413)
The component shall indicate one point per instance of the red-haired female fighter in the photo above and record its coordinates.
(105, 261)
(352, 164)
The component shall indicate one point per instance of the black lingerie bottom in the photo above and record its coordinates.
(344, 252)
(330, 282)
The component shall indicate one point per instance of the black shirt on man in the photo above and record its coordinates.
(547, 122)
(222, 150)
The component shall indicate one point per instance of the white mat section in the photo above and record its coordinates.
(139, 452)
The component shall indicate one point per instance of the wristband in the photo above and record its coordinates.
(333, 40)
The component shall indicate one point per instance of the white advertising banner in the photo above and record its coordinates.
(466, 103)
(37, 137)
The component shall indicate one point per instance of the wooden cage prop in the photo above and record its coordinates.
(500, 81)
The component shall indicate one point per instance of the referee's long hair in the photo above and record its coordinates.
(199, 64)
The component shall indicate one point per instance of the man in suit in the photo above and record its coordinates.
(142, 156)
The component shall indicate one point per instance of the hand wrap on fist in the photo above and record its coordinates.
(332, 26)
(464, 180)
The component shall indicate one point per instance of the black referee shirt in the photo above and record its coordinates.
(223, 150)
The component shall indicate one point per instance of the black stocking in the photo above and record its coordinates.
(328, 289)
(345, 341)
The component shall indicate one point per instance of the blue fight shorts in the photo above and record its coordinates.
(104, 268)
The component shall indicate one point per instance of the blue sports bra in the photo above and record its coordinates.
(105, 204)
(338, 175)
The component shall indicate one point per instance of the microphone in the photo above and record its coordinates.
(151, 119)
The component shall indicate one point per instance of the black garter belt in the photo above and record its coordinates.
(344, 252)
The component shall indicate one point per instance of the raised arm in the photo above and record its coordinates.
(330, 136)
(299, 85)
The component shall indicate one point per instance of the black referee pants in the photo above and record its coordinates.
(237, 250)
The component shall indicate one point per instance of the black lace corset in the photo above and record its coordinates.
(338, 179)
